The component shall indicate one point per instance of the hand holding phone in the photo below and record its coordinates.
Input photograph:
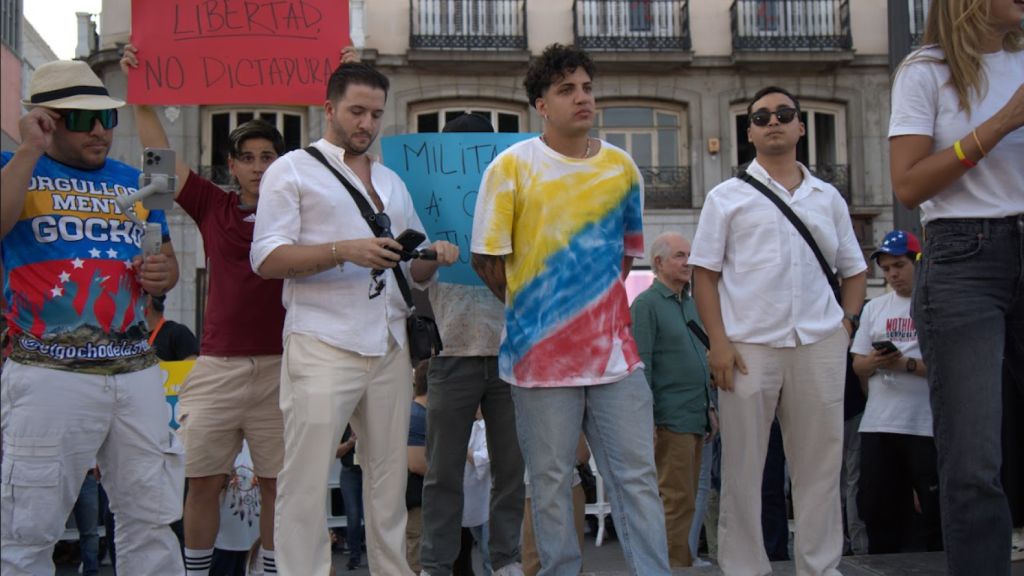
(885, 347)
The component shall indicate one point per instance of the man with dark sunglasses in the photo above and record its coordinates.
(778, 337)
(82, 384)
(345, 354)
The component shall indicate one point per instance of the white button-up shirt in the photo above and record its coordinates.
(303, 204)
(772, 289)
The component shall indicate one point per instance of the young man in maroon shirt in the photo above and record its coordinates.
(232, 392)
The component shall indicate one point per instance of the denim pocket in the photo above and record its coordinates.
(953, 247)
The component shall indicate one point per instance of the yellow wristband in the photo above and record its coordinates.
(960, 155)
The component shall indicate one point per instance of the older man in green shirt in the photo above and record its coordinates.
(677, 371)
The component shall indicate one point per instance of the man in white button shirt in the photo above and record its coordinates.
(345, 353)
(778, 339)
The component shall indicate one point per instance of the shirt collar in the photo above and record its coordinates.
(338, 151)
(667, 292)
(810, 182)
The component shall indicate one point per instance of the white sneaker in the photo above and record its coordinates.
(513, 569)
(1017, 545)
(699, 563)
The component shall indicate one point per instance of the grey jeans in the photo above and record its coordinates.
(969, 313)
(457, 385)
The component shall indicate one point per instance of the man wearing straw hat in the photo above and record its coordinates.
(82, 382)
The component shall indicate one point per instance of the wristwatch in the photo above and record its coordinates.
(854, 320)
(911, 365)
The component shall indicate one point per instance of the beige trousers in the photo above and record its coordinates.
(805, 384)
(677, 457)
(322, 388)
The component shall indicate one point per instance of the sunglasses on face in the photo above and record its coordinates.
(84, 120)
(762, 117)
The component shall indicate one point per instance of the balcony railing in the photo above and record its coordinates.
(467, 24)
(667, 187)
(918, 17)
(837, 175)
(632, 24)
(785, 25)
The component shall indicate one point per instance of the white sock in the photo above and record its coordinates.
(197, 562)
(269, 562)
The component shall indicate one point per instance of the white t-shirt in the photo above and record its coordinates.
(924, 103)
(898, 402)
(240, 507)
(476, 480)
(773, 290)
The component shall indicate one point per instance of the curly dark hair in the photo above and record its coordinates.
(419, 378)
(555, 63)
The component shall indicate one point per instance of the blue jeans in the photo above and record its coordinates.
(482, 534)
(618, 420)
(351, 482)
(701, 505)
(969, 312)
(87, 519)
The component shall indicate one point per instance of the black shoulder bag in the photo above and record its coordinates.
(833, 281)
(421, 331)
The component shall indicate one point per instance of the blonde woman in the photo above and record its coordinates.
(957, 151)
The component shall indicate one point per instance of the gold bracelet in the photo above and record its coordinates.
(978, 142)
(334, 254)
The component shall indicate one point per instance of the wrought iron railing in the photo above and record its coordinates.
(791, 25)
(467, 24)
(632, 24)
(837, 175)
(666, 187)
(918, 17)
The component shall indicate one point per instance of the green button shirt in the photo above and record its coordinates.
(676, 361)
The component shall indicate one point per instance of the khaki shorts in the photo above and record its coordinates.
(226, 399)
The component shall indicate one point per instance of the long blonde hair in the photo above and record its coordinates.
(958, 28)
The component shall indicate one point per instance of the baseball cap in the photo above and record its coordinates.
(898, 243)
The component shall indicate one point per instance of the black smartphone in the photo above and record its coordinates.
(885, 346)
(410, 240)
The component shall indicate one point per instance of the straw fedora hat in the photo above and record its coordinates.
(68, 84)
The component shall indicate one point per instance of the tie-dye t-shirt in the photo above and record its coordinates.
(74, 300)
(563, 226)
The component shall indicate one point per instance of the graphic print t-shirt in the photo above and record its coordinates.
(898, 402)
(563, 226)
(75, 300)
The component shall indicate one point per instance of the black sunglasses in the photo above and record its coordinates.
(377, 277)
(762, 117)
(84, 120)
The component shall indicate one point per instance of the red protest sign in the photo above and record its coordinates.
(235, 51)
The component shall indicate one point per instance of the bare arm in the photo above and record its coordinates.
(627, 265)
(447, 254)
(722, 357)
(855, 289)
(147, 124)
(918, 174)
(292, 261)
(36, 128)
(417, 456)
(491, 270)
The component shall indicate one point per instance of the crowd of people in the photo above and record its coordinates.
(730, 375)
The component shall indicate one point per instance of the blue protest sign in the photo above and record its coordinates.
(443, 173)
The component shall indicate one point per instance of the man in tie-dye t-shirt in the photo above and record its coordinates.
(558, 223)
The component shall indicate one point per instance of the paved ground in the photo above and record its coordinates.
(607, 560)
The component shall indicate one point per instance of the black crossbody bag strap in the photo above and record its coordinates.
(370, 215)
(797, 223)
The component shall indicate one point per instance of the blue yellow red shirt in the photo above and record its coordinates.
(75, 302)
(563, 226)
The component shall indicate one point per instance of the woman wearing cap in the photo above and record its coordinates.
(897, 455)
(956, 146)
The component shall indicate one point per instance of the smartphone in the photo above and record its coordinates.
(410, 240)
(885, 346)
(158, 161)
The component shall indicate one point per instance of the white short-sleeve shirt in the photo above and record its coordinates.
(925, 104)
(772, 289)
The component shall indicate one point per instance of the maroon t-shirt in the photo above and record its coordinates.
(244, 313)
